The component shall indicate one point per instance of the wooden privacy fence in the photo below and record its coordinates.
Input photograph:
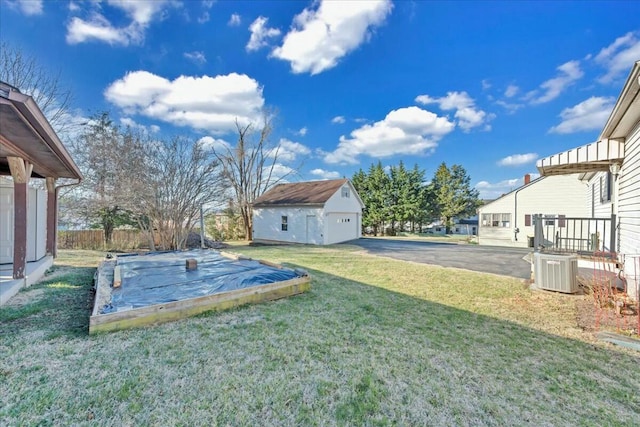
(94, 239)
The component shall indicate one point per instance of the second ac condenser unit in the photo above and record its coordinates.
(556, 272)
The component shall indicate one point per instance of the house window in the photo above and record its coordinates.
(345, 192)
(284, 225)
(549, 219)
(502, 220)
(527, 220)
(605, 188)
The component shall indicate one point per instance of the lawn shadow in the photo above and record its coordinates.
(59, 304)
(345, 353)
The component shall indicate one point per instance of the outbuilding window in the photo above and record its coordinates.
(284, 225)
(345, 192)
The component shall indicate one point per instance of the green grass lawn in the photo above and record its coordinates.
(376, 342)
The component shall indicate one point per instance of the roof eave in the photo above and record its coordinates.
(33, 116)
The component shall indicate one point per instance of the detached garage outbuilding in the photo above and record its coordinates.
(314, 212)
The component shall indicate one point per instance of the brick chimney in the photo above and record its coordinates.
(527, 179)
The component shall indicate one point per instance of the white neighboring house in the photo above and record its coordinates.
(611, 168)
(314, 212)
(508, 220)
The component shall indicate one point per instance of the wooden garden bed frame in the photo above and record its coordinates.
(167, 312)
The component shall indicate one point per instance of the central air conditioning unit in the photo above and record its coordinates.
(556, 272)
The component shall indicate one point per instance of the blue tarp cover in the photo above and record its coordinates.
(158, 278)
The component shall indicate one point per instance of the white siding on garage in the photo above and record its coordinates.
(343, 216)
(267, 224)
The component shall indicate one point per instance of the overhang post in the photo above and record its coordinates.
(21, 172)
(52, 216)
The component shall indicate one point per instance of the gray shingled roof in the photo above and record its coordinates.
(300, 193)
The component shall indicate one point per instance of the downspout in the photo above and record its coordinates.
(515, 214)
(527, 181)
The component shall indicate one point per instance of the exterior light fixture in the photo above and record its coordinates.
(614, 168)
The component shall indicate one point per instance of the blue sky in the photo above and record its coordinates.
(489, 85)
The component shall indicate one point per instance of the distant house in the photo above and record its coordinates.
(508, 220)
(464, 227)
(29, 148)
(314, 212)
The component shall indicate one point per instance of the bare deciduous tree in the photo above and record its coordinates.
(249, 167)
(180, 177)
(24, 72)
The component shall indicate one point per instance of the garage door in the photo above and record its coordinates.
(343, 227)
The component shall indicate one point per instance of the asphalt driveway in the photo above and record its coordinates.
(487, 259)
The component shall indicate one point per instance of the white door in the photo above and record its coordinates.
(313, 230)
(6, 225)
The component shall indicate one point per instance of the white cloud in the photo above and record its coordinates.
(234, 20)
(323, 174)
(303, 131)
(206, 103)
(196, 56)
(288, 151)
(129, 122)
(211, 143)
(486, 84)
(490, 190)
(97, 27)
(205, 17)
(320, 36)
(518, 159)
(468, 115)
(260, 33)
(618, 57)
(409, 130)
(509, 106)
(569, 73)
(587, 115)
(73, 7)
(27, 7)
(279, 171)
(338, 120)
(511, 91)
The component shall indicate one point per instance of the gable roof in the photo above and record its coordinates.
(532, 182)
(300, 193)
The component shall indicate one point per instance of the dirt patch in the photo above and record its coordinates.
(28, 296)
(591, 319)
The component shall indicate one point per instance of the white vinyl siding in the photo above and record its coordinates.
(339, 220)
(556, 195)
(268, 223)
(599, 206)
(629, 197)
(36, 223)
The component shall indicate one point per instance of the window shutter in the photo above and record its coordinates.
(527, 220)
